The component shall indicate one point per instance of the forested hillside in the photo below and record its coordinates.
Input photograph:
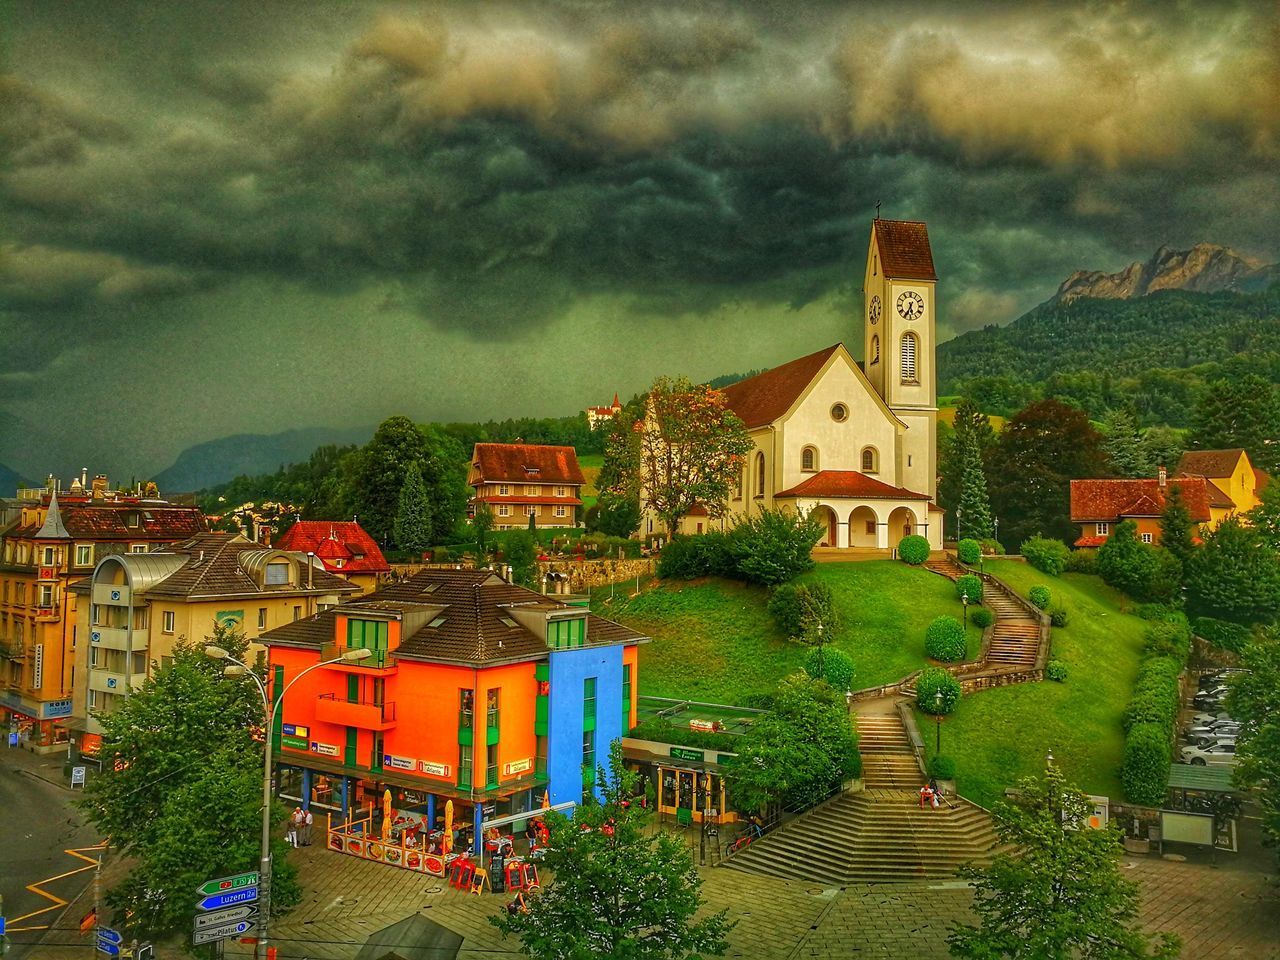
(1154, 353)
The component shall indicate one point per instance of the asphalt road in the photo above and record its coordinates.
(38, 824)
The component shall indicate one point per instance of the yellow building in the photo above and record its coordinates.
(1231, 473)
(853, 444)
(135, 608)
(56, 540)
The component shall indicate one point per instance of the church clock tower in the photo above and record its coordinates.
(899, 344)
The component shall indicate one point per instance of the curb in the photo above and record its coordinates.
(56, 783)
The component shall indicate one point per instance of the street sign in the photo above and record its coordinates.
(229, 915)
(13, 739)
(108, 942)
(220, 900)
(223, 884)
(209, 934)
(2, 922)
(109, 935)
(77, 776)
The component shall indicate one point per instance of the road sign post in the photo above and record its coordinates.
(248, 911)
(220, 900)
(227, 930)
(108, 941)
(224, 884)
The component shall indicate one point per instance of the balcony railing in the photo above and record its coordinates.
(380, 659)
(48, 614)
(9, 650)
(363, 713)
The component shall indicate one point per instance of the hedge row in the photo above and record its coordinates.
(662, 730)
(1222, 634)
(1152, 713)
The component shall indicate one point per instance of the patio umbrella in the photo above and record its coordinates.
(386, 815)
(546, 799)
(447, 839)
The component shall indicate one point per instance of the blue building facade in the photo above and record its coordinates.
(584, 715)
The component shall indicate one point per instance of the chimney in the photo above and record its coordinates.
(1164, 477)
(310, 567)
(84, 478)
(99, 487)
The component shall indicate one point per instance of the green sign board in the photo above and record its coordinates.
(297, 743)
(723, 758)
(227, 884)
(684, 753)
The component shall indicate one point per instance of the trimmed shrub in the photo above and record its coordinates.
(982, 618)
(931, 681)
(941, 767)
(969, 585)
(773, 547)
(662, 730)
(786, 609)
(1145, 770)
(969, 551)
(1156, 694)
(993, 548)
(914, 550)
(1047, 556)
(836, 667)
(1222, 633)
(1040, 596)
(944, 640)
(1056, 670)
(1058, 616)
(702, 555)
(1157, 611)
(1084, 560)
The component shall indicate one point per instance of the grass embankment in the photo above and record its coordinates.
(590, 464)
(713, 640)
(998, 736)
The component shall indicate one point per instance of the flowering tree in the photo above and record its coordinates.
(687, 451)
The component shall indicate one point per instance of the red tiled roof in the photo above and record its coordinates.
(330, 549)
(1090, 541)
(526, 463)
(904, 249)
(1209, 463)
(310, 536)
(1110, 500)
(849, 484)
(90, 520)
(762, 399)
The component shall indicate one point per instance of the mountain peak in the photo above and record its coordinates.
(1206, 267)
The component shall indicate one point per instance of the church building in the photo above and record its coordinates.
(853, 443)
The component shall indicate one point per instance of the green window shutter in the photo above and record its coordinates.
(466, 736)
(626, 697)
(350, 758)
(491, 736)
(542, 671)
(353, 688)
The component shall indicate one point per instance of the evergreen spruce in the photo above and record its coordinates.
(1240, 413)
(1177, 529)
(1123, 445)
(412, 526)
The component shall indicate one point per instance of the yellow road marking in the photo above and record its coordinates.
(78, 853)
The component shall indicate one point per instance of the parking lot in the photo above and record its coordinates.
(1208, 732)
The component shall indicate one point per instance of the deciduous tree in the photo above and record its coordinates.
(1060, 895)
(1265, 517)
(1255, 700)
(1235, 576)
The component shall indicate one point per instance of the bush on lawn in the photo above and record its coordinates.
(944, 640)
(832, 665)
(1040, 596)
(1084, 560)
(701, 555)
(1222, 633)
(969, 585)
(1058, 616)
(1142, 571)
(774, 547)
(982, 618)
(797, 609)
(1145, 771)
(1158, 611)
(929, 683)
(914, 550)
(969, 551)
(993, 548)
(1056, 670)
(941, 767)
(662, 730)
(1047, 556)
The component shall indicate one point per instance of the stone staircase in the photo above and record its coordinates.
(874, 836)
(946, 565)
(887, 760)
(1015, 637)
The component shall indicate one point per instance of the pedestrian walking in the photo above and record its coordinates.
(307, 821)
(291, 833)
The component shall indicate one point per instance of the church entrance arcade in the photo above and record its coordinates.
(866, 527)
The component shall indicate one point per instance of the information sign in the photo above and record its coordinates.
(324, 749)
(248, 911)
(108, 942)
(684, 753)
(293, 743)
(223, 884)
(229, 899)
(77, 776)
(296, 730)
(210, 934)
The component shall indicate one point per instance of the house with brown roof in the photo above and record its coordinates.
(344, 548)
(852, 443)
(523, 480)
(1098, 505)
(1230, 472)
(596, 416)
(135, 607)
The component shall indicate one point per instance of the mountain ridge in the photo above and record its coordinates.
(206, 464)
(1205, 268)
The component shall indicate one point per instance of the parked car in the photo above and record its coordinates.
(1220, 728)
(1208, 739)
(1203, 718)
(1219, 754)
(1208, 700)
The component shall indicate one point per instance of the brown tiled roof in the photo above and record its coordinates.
(1209, 463)
(1112, 500)
(1217, 496)
(213, 569)
(849, 484)
(473, 605)
(525, 463)
(89, 520)
(360, 554)
(762, 399)
(904, 249)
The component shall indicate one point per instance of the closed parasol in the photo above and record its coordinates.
(447, 839)
(386, 815)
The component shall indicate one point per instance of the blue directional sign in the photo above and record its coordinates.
(229, 899)
(108, 942)
(109, 935)
(2, 923)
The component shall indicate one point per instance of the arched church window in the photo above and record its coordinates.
(870, 460)
(759, 474)
(875, 349)
(809, 459)
(909, 358)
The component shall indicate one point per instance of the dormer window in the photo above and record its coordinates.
(566, 634)
(277, 574)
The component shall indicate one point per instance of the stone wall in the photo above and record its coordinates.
(586, 574)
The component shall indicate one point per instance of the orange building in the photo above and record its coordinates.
(523, 480)
(344, 548)
(478, 691)
(58, 539)
(1098, 505)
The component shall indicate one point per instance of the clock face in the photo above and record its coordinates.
(875, 309)
(910, 305)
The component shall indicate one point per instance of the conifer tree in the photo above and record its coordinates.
(1177, 530)
(974, 510)
(413, 513)
(1123, 445)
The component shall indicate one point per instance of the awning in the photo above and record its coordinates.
(1210, 778)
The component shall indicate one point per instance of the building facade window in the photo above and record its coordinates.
(491, 766)
(839, 412)
(531, 510)
(466, 709)
(84, 555)
(760, 479)
(503, 490)
(530, 490)
(277, 574)
(46, 595)
(464, 765)
(875, 349)
(562, 491)
(809, 459)
(492, 714)
(626, 697)
(297, 613)
(1102, 529)
(262, 618)
(504, 510)
(870, 460)
(909, 351)
(49, 555)
(167, 621)
(562, 511)
(137, 548)
(1146, 538)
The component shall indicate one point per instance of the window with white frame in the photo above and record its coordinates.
(1146, 538)
(908, 371)
(46, 595)
(562, 511)
(530, 490)
(137, 548)
(870, 460)
(48, 557)
(1102, 529)
(562, 491)
(503, 490)
(262, 618)
(167, 621)
(504, 510)
(277, 574)
(809, 459)
(84, 554)
(94, 700)
(531, 510)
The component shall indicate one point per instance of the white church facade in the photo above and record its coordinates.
(853, 445)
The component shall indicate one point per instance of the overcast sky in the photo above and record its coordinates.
(224, 217)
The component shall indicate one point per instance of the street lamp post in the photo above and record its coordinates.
(964, 599)
(937, 722)
(959, 514)
(821, 673)
(236, 669)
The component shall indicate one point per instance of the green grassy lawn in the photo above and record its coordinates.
(590, 464)
(713, 640)
(997, 736)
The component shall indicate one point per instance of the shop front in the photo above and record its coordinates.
(687, 784)
(36, 725)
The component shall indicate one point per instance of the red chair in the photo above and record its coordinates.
(464, 872)
(529, 876)
(515, 875)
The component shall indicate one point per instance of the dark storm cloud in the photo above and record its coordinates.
(499, 163)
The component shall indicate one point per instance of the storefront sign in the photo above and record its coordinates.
(723, 758)
(684, 753)
(296, 730)
(398, 763)
(294, 743)
(37, 671)
(434, 769)
(55, 708)
(517, 766)
(77, 776)
(324, 749)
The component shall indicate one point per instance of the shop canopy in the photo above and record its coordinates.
(1206, 778)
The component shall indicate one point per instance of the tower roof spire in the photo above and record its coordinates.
(53, 528)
